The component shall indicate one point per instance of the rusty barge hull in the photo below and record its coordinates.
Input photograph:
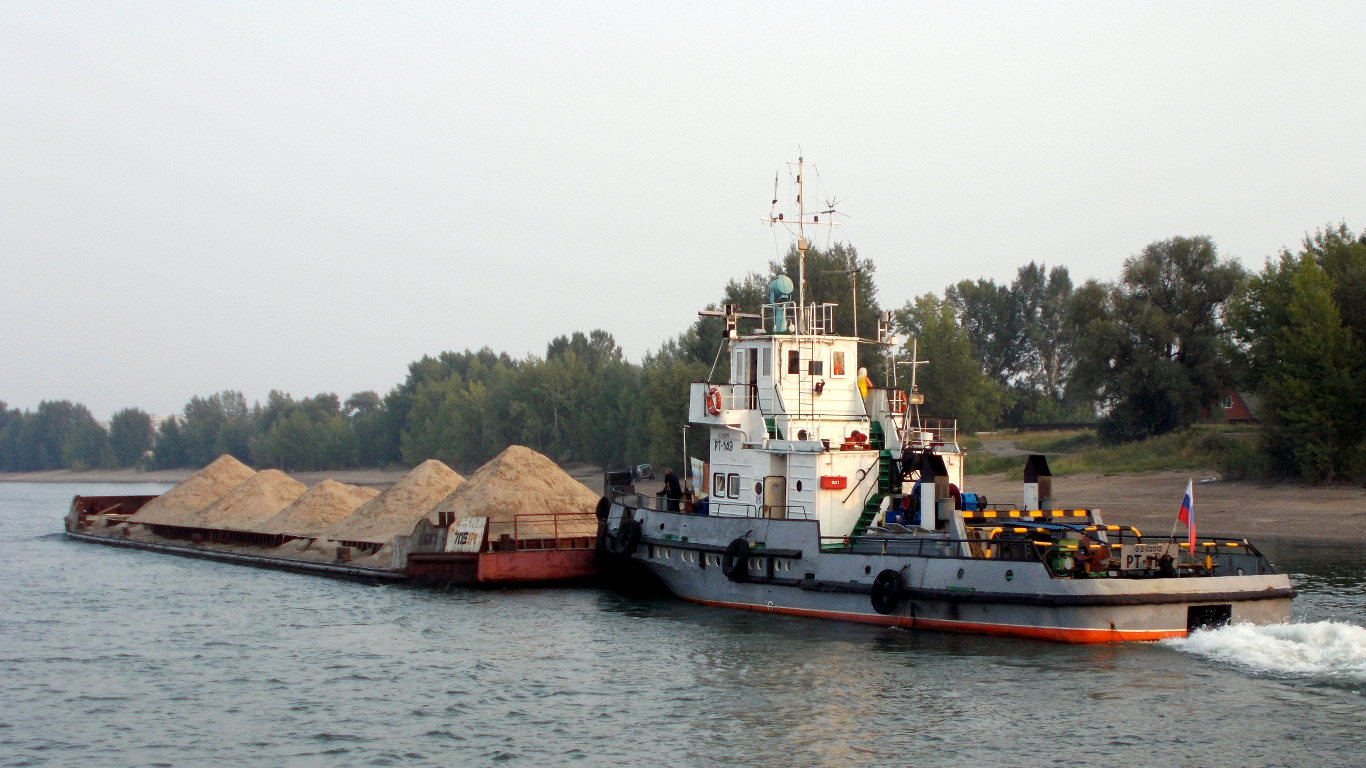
(525, 567)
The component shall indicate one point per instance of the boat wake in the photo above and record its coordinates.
(1329, 650)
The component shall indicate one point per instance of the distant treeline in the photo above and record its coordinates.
(1146, 355)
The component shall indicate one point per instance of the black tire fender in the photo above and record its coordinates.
(600, 544)
(886, 591)
(735, 563)
(628, 537)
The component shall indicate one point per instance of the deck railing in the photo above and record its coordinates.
(1214, 556)
(549, 530)
(715, 507)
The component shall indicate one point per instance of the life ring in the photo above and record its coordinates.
(735, 563)
(886, 591)
(628, 537)
(714, 401)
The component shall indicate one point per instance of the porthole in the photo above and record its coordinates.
(661, 526)
(758, 487)
(1010, 575)
(960, 573)
(867, 569)
(799, 485)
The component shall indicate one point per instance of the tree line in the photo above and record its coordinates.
(1147, 354)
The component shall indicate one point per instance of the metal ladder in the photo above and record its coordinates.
(884, 487)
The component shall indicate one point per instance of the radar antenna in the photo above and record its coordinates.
(798, 227)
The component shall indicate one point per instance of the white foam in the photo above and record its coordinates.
(1328, 649)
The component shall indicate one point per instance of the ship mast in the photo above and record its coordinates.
(801, 247)
(802, 222)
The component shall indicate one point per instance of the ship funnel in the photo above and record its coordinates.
(1038, 483)
(934, 489)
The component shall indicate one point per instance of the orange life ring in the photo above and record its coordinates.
(714, 401)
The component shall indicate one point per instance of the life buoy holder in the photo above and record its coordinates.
(714, 401)
(735, 562)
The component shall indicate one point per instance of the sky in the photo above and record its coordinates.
(307, 197)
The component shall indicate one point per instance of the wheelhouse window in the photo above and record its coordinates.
(718, 483)
(836, 363)
(817, 368)
(733, 485)
(794, 361)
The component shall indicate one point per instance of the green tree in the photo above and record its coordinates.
(1041, 296)
(218, 424)
(9, 436)
(992, 318)
(952, 382)
(290, 444)
(59, 434)
(370, 422)
(666, 376)
(1315, 393)
(130, 436)
(1302, 353)
(1152, 348)
(169, 450)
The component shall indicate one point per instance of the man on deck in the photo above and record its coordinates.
(672, 490)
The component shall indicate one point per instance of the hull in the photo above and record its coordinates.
(502, 568)
(789, 573)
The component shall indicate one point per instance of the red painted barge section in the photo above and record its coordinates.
(537, 565)
(494, 568)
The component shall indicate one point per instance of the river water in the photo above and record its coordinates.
(121, 657)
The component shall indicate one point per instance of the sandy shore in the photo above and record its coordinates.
(1149, 502)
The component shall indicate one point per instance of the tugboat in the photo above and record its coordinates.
(829, 498)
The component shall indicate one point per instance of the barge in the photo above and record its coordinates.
(529, 549)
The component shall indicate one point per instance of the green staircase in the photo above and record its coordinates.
(772, 427)
(884, 485)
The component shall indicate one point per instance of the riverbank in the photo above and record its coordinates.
(1259, 511)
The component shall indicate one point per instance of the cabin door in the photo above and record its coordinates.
(752, 378)
(775, 497)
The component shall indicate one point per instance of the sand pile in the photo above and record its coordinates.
(520, 481)
(320, 506)
(396, 510)
(196, 492)
(260, 498)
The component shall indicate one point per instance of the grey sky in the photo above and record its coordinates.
(204, 196)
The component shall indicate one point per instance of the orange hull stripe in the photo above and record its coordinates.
(1058, 634)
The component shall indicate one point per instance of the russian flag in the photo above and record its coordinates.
(1187, 513)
